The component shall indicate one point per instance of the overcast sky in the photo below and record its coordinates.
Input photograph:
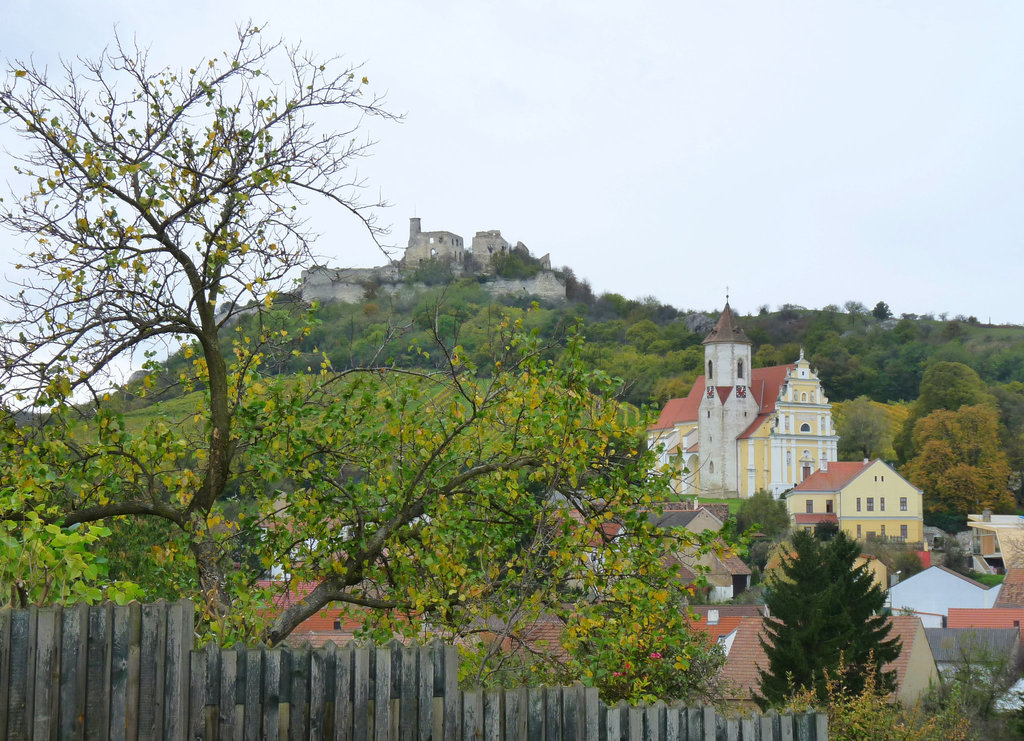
(796, 152)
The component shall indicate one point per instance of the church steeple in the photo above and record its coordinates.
(726, 329)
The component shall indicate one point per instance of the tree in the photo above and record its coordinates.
(959, 463)
(164, 207)
(864, 429)
(945, 385)
(881, 311)
(824, 623)
(158, 198)
(765, 511)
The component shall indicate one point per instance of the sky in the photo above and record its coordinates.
(789, 152)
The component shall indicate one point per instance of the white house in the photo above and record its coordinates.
(930, 593)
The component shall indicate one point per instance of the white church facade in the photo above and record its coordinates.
(742, 429)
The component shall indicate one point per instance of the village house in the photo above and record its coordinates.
(866, 499)
(931, 593)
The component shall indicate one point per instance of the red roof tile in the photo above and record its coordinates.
(746, 659)
(726, 624)
(838, 475)
(677, 411)
(982, 617)
(904, 627)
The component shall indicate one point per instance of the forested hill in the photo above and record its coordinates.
(930, 392)
(656, 348)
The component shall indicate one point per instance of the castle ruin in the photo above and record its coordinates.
(321, 283)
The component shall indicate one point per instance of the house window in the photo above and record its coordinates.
(810, 506)
(807, 472)
(871, 504)
(828, 506)
(805, 427)
(881, 504)
(858, 504)
(903, 504)
(858, 531)
(903, 531)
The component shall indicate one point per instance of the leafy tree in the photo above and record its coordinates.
(959, 463)
(163, 206)
(825, 622)
(881, 311)
(764, 511)
(945, 385)
(158, 198)
(864, 429)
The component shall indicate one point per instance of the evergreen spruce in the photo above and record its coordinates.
(826, 618)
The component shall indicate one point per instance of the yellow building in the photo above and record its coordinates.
(742, 429)
(865, 498)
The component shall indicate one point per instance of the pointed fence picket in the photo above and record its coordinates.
(132, 673)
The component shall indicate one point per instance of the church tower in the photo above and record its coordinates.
(727, 408)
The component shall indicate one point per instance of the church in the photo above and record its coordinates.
(742, 429)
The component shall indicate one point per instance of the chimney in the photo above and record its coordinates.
(866, 461)
(824, 466)
(712, 617)
(986, 515)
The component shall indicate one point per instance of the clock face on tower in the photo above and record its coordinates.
(741, 392)
(710, 392)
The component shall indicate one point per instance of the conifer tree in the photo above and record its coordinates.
(825, 621)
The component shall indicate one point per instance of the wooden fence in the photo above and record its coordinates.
(131, 672)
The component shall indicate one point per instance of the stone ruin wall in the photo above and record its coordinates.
(349, 285)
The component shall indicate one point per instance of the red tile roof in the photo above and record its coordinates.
(838, 475)
(982, 617)
(1011, 594)
(765, 384)
(726, 624)
(904, 627)
(745, 661)
(677, 411)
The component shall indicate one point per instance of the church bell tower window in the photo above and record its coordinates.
(711, 369)
(739, 368)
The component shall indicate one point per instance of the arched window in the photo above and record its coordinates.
(711, 369)
(803, 397)
(805, 427)
(739, 368)
(711, 466)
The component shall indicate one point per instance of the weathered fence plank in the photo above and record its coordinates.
(271, 695)
(74, 637)
(5, 667)
(97, 693)
(344, 705)
(47, 677)
(382, 694)
(253, 712)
